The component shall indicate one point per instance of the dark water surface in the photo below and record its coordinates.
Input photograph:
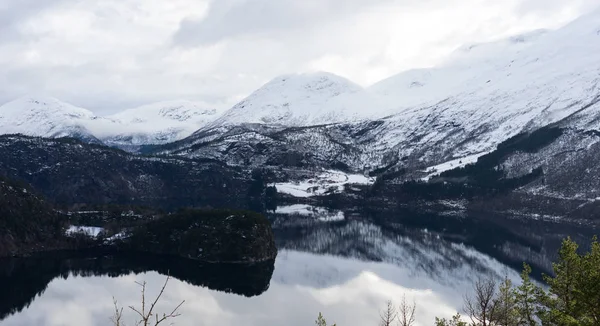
(343, 266)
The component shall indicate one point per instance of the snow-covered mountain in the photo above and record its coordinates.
(483, 95)
(487, 93)
(418, 121)
(156, 123)
(45, 117)
(304, 100)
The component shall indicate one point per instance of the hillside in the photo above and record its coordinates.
(523, 111)
(28, 223)
(431, 120)
(69, 171)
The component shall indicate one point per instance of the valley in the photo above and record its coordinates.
(255, 162)
(490, 124)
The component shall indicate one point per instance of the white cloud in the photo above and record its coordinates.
(110, 54)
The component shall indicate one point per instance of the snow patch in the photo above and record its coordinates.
(450, 165)
(327, 182)
(91, 231)
(320, 213)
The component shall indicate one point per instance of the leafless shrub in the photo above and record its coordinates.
(480, 305)
(406, 315)
(388, 315)
(147, 316)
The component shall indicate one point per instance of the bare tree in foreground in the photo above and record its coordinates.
(388, 315)
(406, 315)
(480, 306)
(147, 317)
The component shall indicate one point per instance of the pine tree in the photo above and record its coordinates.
(505, 306)
(527, 298)
(563, 304)
(455, 321)
(588, 289)
(321, 321)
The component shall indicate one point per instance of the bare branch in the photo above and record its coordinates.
(173, 314)
(162, 290)
(118, 316)
(406, 316)
(480, 305)
(138, 312)
(146, 316)
(388, 315)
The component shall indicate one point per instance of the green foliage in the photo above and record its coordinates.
(455, 321)
(321, 321)
(505, 305)
(572, 298)
(589, 291)
(563, 300)
(527, 297)
(574, 295)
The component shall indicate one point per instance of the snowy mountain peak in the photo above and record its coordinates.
(322, 83)
(44, 116)
(149, 124)
(38, 105)
(302, 100)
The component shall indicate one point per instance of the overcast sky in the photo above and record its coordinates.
(107, 55)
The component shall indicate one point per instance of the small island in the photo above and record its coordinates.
(205, 235)
(29, 225)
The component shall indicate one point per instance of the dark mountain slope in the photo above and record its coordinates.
(69, 171)
(27, 223)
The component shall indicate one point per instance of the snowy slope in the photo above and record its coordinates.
(304, 100)
(487, 93)
(483, 95)
(150, 124)
(156, 123)
(45, 117)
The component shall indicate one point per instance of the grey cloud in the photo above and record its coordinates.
(548, 6)
(231, 18)
(13, 12)
(129, 52)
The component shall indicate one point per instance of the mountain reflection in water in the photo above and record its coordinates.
(346, 268)
(22, 279)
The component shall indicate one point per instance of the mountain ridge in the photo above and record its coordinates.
(155, 123)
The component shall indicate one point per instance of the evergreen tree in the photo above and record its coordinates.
(588, 289)
(321, 321)
(527, 298)
(455, 321)
(564, 308)
(505, 312)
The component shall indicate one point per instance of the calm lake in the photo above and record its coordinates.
(344, 266)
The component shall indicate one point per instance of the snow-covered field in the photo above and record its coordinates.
(330, 181)
(450, 165)
(92, 231)
(320, 213)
